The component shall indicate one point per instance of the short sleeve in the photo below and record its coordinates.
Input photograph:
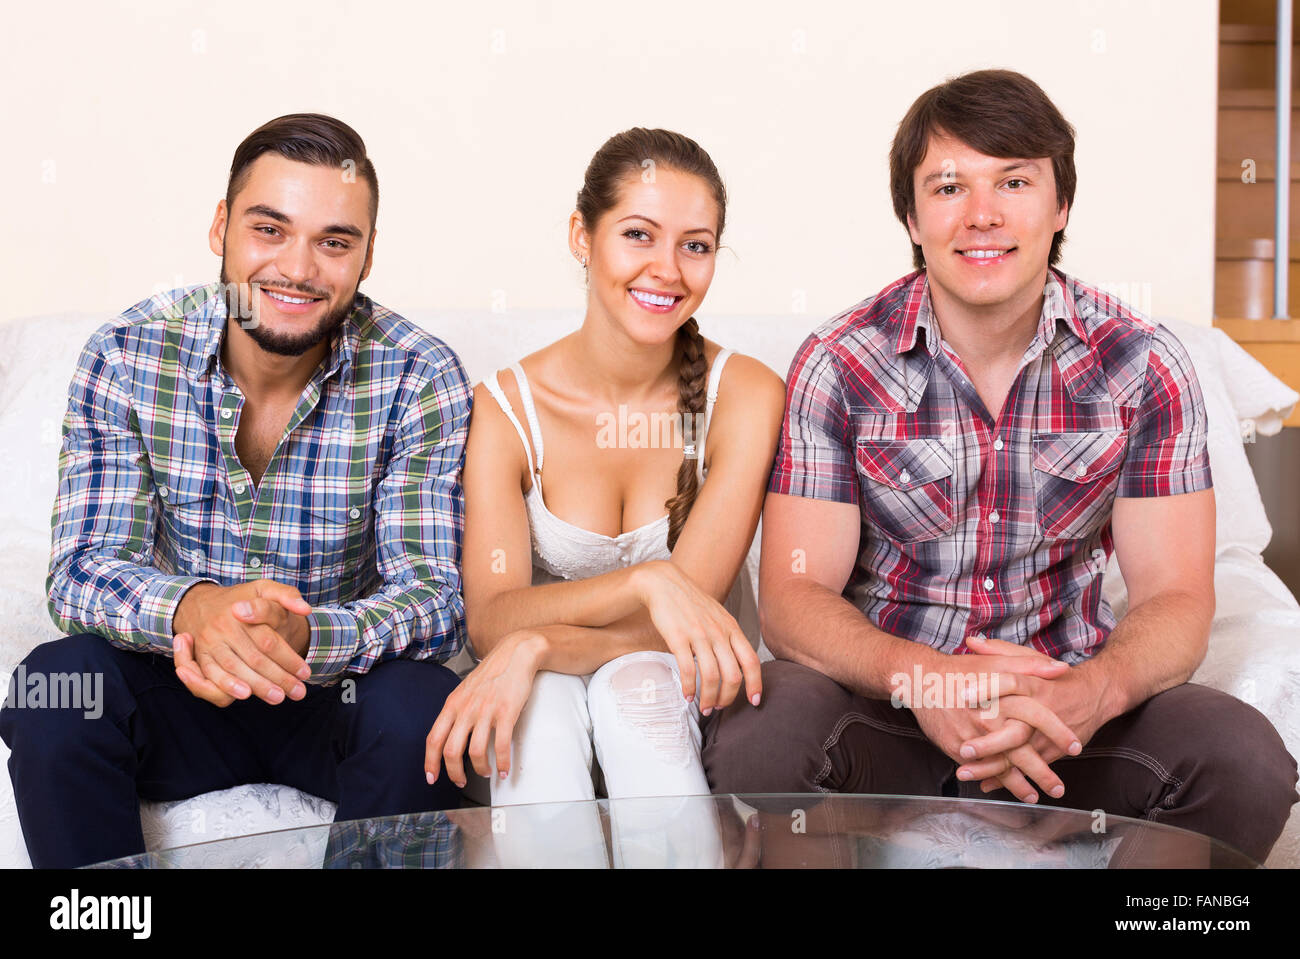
(814, 455)
(1168, 439)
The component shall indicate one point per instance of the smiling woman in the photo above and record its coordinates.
(608, 613)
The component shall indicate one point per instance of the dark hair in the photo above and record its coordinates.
(307, 138)
(626, 154)
(1000, 113)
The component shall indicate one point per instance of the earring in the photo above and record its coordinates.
(581, 259)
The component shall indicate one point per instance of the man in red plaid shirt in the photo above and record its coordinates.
(960, 455)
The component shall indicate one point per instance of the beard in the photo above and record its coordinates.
(282, 343)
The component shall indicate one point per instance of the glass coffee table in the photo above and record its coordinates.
(838, 831)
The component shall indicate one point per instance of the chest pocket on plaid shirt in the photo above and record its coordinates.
(188, 510)
(335, 544)
(1075, 475)
(906, 487)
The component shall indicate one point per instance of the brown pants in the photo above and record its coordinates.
(1191, 757)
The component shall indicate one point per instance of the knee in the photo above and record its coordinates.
(556, 708)
(397, 701)
(1239, 748)
(57, 686)
(643, 693)
(778, 746)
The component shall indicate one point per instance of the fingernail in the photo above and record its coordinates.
(299, 691)
(242, 690)
(968, 752)
(461, 784)
(964, 774)
(705, 712)
(1075, 748)
(1056, 792)
(1032, 797)
(690, 698)
(243, 609)
(429, 776)
(754, 699)
(502, 773)
(275, 694)
(304, 673)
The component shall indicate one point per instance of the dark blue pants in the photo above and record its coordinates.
(78, 780)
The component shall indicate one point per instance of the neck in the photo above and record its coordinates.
(989, 335)
(617, 369)
(267, 376)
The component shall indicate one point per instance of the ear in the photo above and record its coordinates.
(217, 232)
(579, 239)
(1062, 217)
(370, 256)
(912, 230)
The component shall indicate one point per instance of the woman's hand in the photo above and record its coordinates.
(697, 628)
(491, 697)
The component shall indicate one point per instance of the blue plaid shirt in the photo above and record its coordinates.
(360, 507)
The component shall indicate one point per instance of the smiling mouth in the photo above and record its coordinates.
(656, 302)
(986, 254)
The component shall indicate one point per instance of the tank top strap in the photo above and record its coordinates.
(494, 387)
(715, 377)
(530, 411)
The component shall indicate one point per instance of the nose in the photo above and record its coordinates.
(983, 210)
(664, 267)
(296, 262)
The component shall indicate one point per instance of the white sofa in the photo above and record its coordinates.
(1254, 650)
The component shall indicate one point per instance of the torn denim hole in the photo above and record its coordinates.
(649, 699)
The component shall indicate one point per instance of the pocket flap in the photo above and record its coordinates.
(1079, 457)
(905, 464)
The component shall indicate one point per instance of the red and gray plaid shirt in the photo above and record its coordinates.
(975, 527)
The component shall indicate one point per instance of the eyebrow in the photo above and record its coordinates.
(641, 216)
(271, 213)
(1018, 165)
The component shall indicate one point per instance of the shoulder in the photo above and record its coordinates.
(750, 378)
(1130, 347)
(141, 334)
(394, 339)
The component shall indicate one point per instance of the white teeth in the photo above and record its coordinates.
(652, 299)
(288, 299)
(982, 254)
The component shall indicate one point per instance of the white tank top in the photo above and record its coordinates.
(563, 551)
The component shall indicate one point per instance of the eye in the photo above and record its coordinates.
(698, 246)
(1012, 183)
(266, 230)
(634, 233)
(943, 190)
(337, 244)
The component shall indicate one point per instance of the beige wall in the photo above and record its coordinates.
(120, 122)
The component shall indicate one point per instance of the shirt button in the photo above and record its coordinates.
(988, 584)
(226, 414)
(1080, 470)
(997, 443)
(905, 477)
(994, 517)
(163, 491)
(239, 487)
(255, 562)
(354, 512)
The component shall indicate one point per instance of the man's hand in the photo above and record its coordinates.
(236, 641)
(952, 729)
(1073, 696)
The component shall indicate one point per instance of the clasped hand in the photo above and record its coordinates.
(1043, 710)
(232, 642)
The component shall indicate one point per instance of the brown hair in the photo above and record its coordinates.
(307, 138)
(1000, 113)
(622, 155)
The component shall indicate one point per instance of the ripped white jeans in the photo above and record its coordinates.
(633, 715)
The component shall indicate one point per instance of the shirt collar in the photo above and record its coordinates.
(210, 317)
(917, 313)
